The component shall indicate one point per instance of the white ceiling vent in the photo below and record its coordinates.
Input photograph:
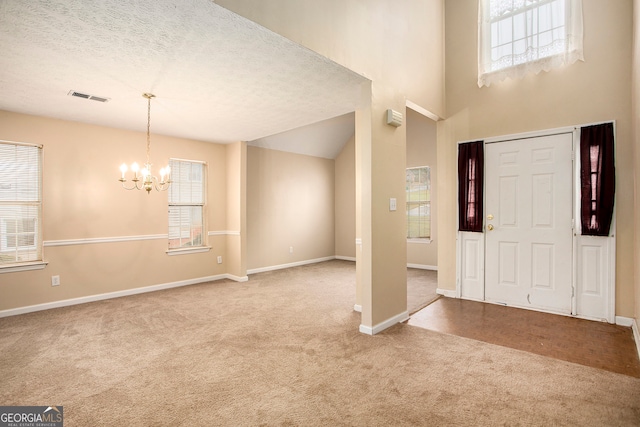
(85, 96)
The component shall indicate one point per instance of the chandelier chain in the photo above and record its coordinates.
(146, 181)
(148, 96)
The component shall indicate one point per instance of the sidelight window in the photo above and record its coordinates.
(470, 191)
(597, 176)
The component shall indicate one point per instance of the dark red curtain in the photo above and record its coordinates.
(470, 185)
(597, 179)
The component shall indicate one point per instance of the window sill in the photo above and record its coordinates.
(421, 241)
(186, 251)
(38, 265)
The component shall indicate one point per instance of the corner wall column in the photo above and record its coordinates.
(381, 259)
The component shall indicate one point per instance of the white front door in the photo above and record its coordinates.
(528, 222)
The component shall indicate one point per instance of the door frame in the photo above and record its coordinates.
(470, 247)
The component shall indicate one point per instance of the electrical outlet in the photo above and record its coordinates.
(290, 249)
(55, 280)
(219, 259)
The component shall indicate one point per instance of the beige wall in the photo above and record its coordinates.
(421, 151)
(596, 90)
(290, 203)
(236, 209)
(345, 192)
(387, 235)
(636, 143)
(82, 199)
(399, 47)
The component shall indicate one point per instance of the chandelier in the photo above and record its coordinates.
(142, 178)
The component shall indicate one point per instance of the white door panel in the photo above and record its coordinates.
(471, 273)
(594, 259)
(528, 193)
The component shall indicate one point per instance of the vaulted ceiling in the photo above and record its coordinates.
(217, 76)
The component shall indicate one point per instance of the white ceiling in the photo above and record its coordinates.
(323, 139)
(217, 76)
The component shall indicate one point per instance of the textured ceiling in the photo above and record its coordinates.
(217, 76)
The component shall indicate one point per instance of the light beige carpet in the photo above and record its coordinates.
(284, 349)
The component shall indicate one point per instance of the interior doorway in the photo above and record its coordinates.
(421, 197)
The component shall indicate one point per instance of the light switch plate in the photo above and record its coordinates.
(392, 204)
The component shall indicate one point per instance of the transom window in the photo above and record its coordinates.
(186, 204)
(20, 203)
(418, 187)
(521, 36)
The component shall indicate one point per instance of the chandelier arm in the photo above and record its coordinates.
(160, 186)
(134, 187)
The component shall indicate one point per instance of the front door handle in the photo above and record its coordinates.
(490, 227)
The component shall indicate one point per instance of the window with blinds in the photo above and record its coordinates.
(20, 203)
(418, 187)
(186, 204)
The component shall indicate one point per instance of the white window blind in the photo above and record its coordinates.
(516, 37)
(186, 204)
(20, 203)
(418, 187)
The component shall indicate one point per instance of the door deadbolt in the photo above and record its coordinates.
(489, 217)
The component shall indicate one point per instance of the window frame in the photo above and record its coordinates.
(572, 40)
(19, 227)
(175, 180)
(419, 202)
(37, 262)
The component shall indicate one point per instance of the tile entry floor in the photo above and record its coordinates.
(596, 344)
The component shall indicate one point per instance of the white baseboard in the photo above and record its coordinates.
(446, 292)
(636, 335)
(633, 324)
(236, 278)
(384, 325)
(117, 294)
(423, 267)
(346, 258)
(624, 321)
(357, 307)
(293, 264)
